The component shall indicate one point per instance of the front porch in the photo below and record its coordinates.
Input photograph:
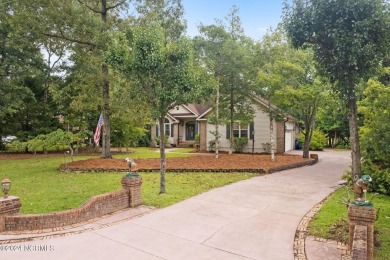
(181, 133)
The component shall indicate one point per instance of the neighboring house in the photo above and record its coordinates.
(183, 123)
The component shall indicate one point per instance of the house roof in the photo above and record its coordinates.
(189, 111)
(264, 102)
(198, 109)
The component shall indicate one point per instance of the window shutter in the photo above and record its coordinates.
(157, 131)
(228, 131)
(251, 131)
(172, 129)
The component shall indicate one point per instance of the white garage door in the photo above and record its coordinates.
(288, 142)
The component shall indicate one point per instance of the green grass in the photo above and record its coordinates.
(332, 221)
(42, 188)
(180, 186)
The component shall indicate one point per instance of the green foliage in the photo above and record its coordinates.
(348, 37)
(197, 139)
(380, 177)
(287, 77)
(332, 120)
(239, 144)
(212, 145)
(227, 53)
(376, 130)
(318, 140)
(266, 147)
(158, 139)
(163, 69)
(375, 135)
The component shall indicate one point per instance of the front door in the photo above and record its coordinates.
(190, 131)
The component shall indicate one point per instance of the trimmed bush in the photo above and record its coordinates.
(239, 144)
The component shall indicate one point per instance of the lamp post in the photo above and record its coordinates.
(5, 187)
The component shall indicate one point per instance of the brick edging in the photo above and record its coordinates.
(313, 160)
(301, 234)
(260, 171)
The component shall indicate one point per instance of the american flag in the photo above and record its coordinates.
(96, 137)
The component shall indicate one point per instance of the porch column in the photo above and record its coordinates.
(203, 135)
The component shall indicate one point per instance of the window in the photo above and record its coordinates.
(167, 128)
(241, 130)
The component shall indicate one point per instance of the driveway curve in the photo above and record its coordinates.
(251, 219)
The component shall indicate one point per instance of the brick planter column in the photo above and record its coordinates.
(133, 184)
(9, 206)
(362, 216)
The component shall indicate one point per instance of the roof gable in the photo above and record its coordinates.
(260, 100)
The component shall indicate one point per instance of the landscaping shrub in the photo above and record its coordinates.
(380, 177)
(266, 147)
(143, 141)
(239, 144)
(318, 140)
(212, 145)
(165, 139)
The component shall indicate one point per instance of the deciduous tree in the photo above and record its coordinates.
(163, 70)
(225, 46)
(349, 39)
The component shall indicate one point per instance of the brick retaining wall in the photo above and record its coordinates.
(361, 231)
(359, 245)
(95, 207)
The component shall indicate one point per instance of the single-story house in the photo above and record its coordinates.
(184, 122)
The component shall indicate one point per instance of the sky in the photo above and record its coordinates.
(256, 15)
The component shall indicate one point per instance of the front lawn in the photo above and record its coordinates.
(332, 221)
(42, 188)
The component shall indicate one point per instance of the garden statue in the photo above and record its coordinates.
(360, 188)
(132, 167)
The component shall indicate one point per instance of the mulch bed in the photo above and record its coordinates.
(234, 162)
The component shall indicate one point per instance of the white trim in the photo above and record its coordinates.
(172, 118)
(190, 110)
(205, 113)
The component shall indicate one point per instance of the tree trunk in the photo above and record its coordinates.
(106, 146)
(217, 123)
(71, 152)
(308, 135)
(309, 129)
(231, 123)
(271, 137)
(354, 138)
(307, 142)
(306, 147)
(271, 132)
(162, 153)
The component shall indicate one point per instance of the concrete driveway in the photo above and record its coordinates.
(251, 219)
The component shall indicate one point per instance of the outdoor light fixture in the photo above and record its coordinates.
(5, 187)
